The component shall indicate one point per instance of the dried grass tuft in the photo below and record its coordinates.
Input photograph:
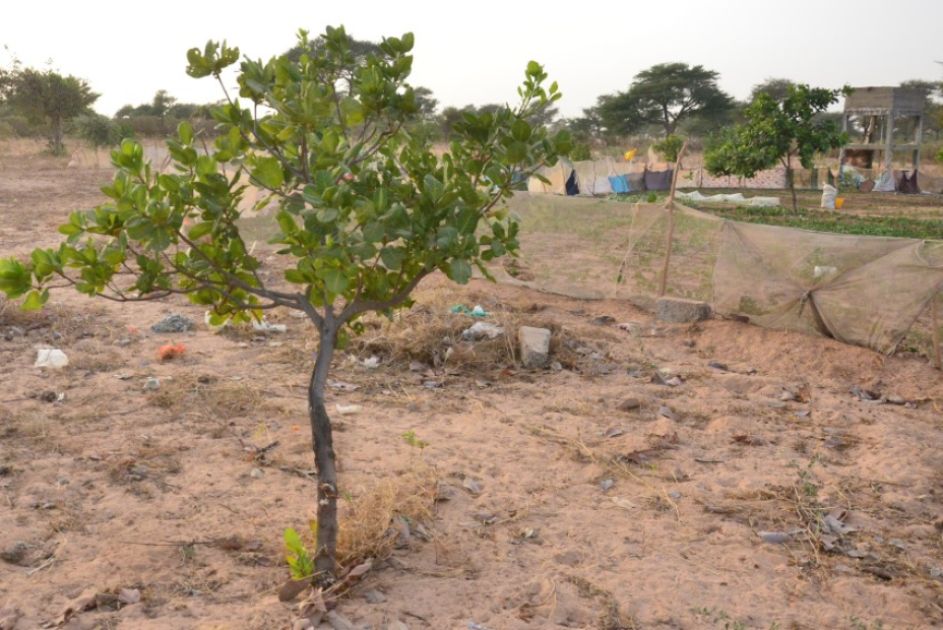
(367, 521)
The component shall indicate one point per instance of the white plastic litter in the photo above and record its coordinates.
(347, 410)
(481, 330)
(737, 198)
(264, 326)
(885, 183)
(51, 358)
(828, 197)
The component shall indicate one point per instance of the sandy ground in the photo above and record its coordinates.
(755, 491)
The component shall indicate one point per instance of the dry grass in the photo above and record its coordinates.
(209, 397)
(431, 334)
(371, 523)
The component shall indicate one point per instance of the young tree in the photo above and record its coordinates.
(778, 131)
(48, 99)
(664, 95)
(365, 209)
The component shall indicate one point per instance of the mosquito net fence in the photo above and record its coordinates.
(869, 291)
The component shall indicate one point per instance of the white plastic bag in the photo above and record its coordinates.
(828, 196)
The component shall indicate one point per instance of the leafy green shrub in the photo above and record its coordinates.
(580, 152)
(669, 147)
(99, 130)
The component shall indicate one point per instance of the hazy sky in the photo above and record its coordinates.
(475, 52)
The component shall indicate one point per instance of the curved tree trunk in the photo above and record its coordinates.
(325, 463)
(55, 142)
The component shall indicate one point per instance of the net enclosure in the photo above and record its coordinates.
(869, 291)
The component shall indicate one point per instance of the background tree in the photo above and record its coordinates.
(365, 209)
(777, 131)
(932, 107)
(665, 95)
(778, 89)
(47, 99)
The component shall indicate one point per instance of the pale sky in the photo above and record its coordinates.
(475, 52)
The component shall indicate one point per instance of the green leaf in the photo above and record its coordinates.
(392, 258)
(460, 271)
(15, 279)
(200, 230)
(268, 172)
(35, 300)
(334, 280)
(185, 132)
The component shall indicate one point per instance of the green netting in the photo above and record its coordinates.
(869, 291)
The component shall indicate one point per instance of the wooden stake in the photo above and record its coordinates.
(935, 316)
(663, 282)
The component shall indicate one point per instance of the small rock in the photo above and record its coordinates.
(256, 473)
(666, 412)
(689, 343)
(717, 365)
(138, 472)
(614, 432)
(338, 621)
(556, 366)
(604, 320)
(535, 346)
(674, 495)
(374, 596)
(787, 396)
(674, 381)
(776, 538)
(633, 328)
(682, 311)
(124, 341)
(630, 404)
(174, 323)
(15, 553)
(893, 399)
(417, 366)
(152, 384)
(569, 558)
(485, 518)
(606, 484)
(472, 485)
(129, 596)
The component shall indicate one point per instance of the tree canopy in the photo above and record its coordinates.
(46, 98)
(778, 131)
(366, 209)
(664, 96)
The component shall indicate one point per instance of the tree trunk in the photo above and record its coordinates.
(55, 142)
(322, 438)
(792, 187)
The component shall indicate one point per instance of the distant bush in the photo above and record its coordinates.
(580, 152)
(99, 130)
(669, 147)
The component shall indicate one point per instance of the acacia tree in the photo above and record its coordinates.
(365, 209)
(46, 98)
(778, 130)
(664, 95)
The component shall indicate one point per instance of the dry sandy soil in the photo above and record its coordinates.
(760, 493)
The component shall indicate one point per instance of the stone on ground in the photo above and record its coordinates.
(535, 346)
(682, 311)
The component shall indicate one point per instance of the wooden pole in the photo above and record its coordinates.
(935, 317)
(663, 282)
